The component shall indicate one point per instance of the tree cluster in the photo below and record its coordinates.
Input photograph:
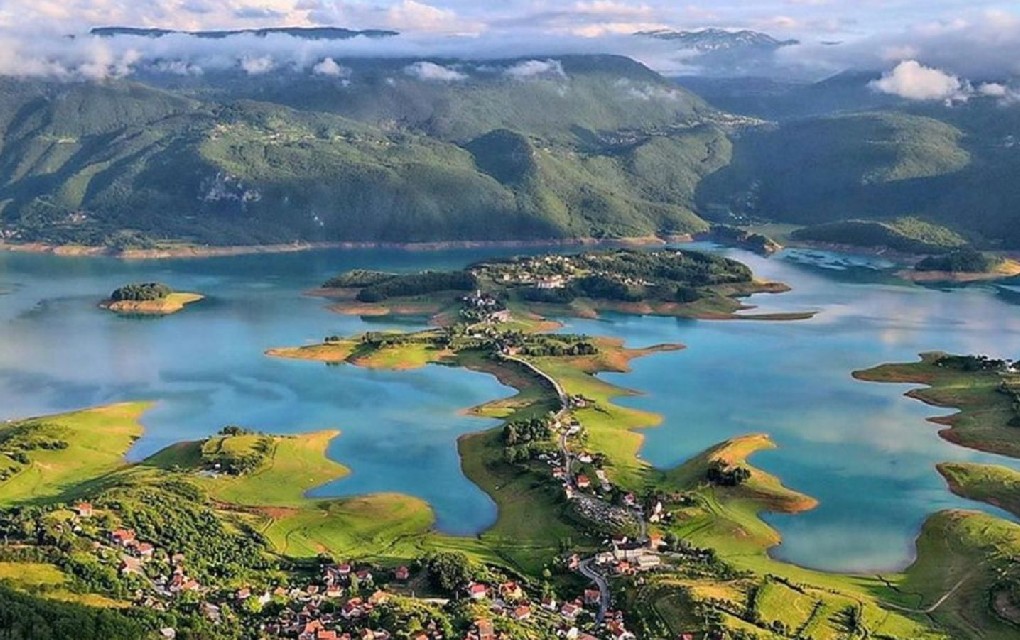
(141, 291)
(965, 260)
(723, 475)
(418, 284)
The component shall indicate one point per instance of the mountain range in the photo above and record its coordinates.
(559, 147)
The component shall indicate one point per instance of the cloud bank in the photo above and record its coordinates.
(980, 45)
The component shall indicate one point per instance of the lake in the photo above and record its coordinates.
(862, 449)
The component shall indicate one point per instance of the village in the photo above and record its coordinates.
(349, 600)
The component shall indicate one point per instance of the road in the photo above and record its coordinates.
(587, 569)
(560, 392)
(936, 605)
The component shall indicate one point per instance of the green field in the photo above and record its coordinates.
(995, 485)
(96, 441)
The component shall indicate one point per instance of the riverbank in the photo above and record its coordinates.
(174, 251)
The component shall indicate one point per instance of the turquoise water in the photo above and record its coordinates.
(862, 449)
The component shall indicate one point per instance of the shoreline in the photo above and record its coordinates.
(208, 251)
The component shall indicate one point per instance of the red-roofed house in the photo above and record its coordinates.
(123, 537)
(477, 590)
(511, 591)
(522, 612)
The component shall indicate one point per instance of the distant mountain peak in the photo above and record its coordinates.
(714, 39)
(307, 33)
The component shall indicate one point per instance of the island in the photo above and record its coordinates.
(667, 282)
(962, 265)
(148, 299)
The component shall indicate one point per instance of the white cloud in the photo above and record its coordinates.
(253, 65)
(993, 90)
(914, 81)
(432, 72)
(533, 68)
(330, 67)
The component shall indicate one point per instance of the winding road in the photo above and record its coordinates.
(587, 569)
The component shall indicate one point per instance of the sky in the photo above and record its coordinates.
(807, 19)
(964, 40)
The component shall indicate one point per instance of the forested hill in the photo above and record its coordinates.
(407, 150)
(371, 150)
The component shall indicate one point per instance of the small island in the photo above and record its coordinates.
(148, 299)
(962, 265)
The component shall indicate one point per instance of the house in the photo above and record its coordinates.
(549, 603)
(592, 596)
(145, 549)
(629, 499)
(311, 630)
(511, 591)
(243, 594)
(379, 597)
(352, 608)
(485, 630)
(569, 610)
(647, 561)
(604, 557)
(83, 509)
(477, 591)
(130, 565)
(123, 537)
(523, 612)
(365, 575)
(403, 574)
(583, 482)
(618, 631)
